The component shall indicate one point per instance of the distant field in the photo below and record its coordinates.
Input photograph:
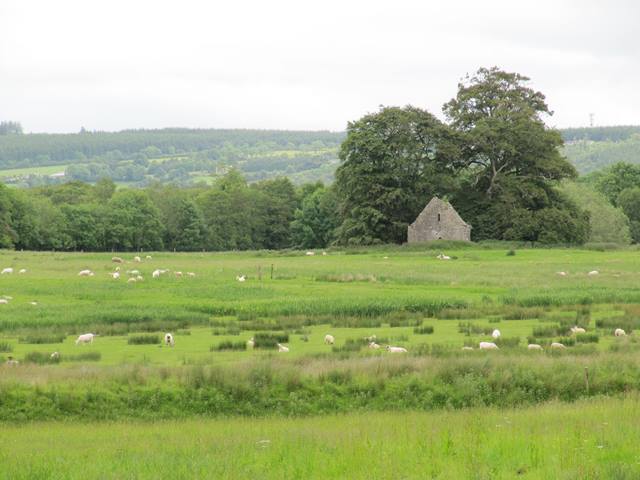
(46, 170)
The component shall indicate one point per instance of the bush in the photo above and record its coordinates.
(351, 345)
(41, 338)
(511, 253)
(507, 342)
(269, 340)
(228, 345)
(567, 341)
(424, 330)
(469, 328)
(587, 338)
(144, 339)
(6, 347)
(92, 356)
(548, 331)
(40, 358)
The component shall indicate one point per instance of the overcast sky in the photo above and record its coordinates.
(110, 65)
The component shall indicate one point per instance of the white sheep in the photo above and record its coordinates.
(374, 345)
(467, 348)
(148, 257)
(282, 348)
(6, 270)
(137, 259)
(156, 274)
(54, 356)
(116, 260)
(191, 274)
(557, 345)
(168, 339)
(115, 275)
(620, 332)
(442, 256)
(251, 343)
(310, 254)
(534, 346)
(22, 270)
(33, 303)
(133, 272)
(241, 278)
(329, 340)
(575, 330)
(132, 280)
(396, 349)
(496, 334)
(488, 346)
(562, 274)
(85, 338)
(139, 278)
(85, 273)
(4, 301)
(593, 273)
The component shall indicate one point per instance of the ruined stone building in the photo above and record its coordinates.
(438, 221)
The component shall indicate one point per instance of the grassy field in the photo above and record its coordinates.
(594, 439)
(204, 404)
(42, 170)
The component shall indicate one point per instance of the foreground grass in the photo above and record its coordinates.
(594, 439)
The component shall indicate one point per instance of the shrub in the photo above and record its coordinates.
(40, 358)
(6, 347)
(351, 345)
(511, 253)
(587, 338)
(144, 339)
(41, 338)
(228, 345)
(469, 328)
(507, 342)
(547, 331)
(424, 330)
(567, 341)
(269, 340)
(92, 356)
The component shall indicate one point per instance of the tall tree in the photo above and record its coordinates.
(191, 229)
(393, 161)
(316, 220)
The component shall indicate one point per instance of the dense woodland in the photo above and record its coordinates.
(493, 158)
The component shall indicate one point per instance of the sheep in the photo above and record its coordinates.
(488, 346)
(33, 303)
(22, 270)
(156, 274)
(442, 256)
(575, 330)
(310, 254)
(85, 338)
(534, 346)
(562, 274)
(620, 332)
(282, 348)
(117, 269)
(241, 278)
(396, 349)
(4, 301)
(115, 275)
(133, 272)
(324, 254)
(11, 362)
(132, 280)
(117, 260)
(148, 257)
(178, 274)
(137, 259)
(55, 356)
(85, 273)
(557, 345)
(168, 340)
(496, 334)
(139, 278)
(329, 340)
(6, 270)
(191, 274)
(467, 348)
(372, 338)
(374, 345)
(251, 343)
(593, 273)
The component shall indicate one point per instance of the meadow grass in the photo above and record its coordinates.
(595, 439)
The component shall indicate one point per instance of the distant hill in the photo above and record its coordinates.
(591, 149)
(187, 156)
(181, 156)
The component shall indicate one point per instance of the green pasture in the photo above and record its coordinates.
(594, 439)
(43, 170)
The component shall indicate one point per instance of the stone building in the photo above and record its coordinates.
(438, 221)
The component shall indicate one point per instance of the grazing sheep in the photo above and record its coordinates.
(168, 339)
(148, 257)
(282, 348)
(117, 269)
(496, 334)
(6, 270)
(178, 274)
(251, 343)
(374, 345)
(329, 340)
(396, 349)
(33, 303)
(85, 338)
(137, 259)
(133, 272)
(139, 278)
(557, 345)
(310, 254)
(442, 256)
(620, 332)
(575, 330)
(593, 273)
(116, 260)
(85, 273)
(156, 274)
(467, 348)
(488, 346)
(534, 346)
(191, 274)
(132, 280)
(241, 278)
(55, 356)
(562, 274)
(115, 275)
(22, 270)
(4, 301)
(324, 254)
